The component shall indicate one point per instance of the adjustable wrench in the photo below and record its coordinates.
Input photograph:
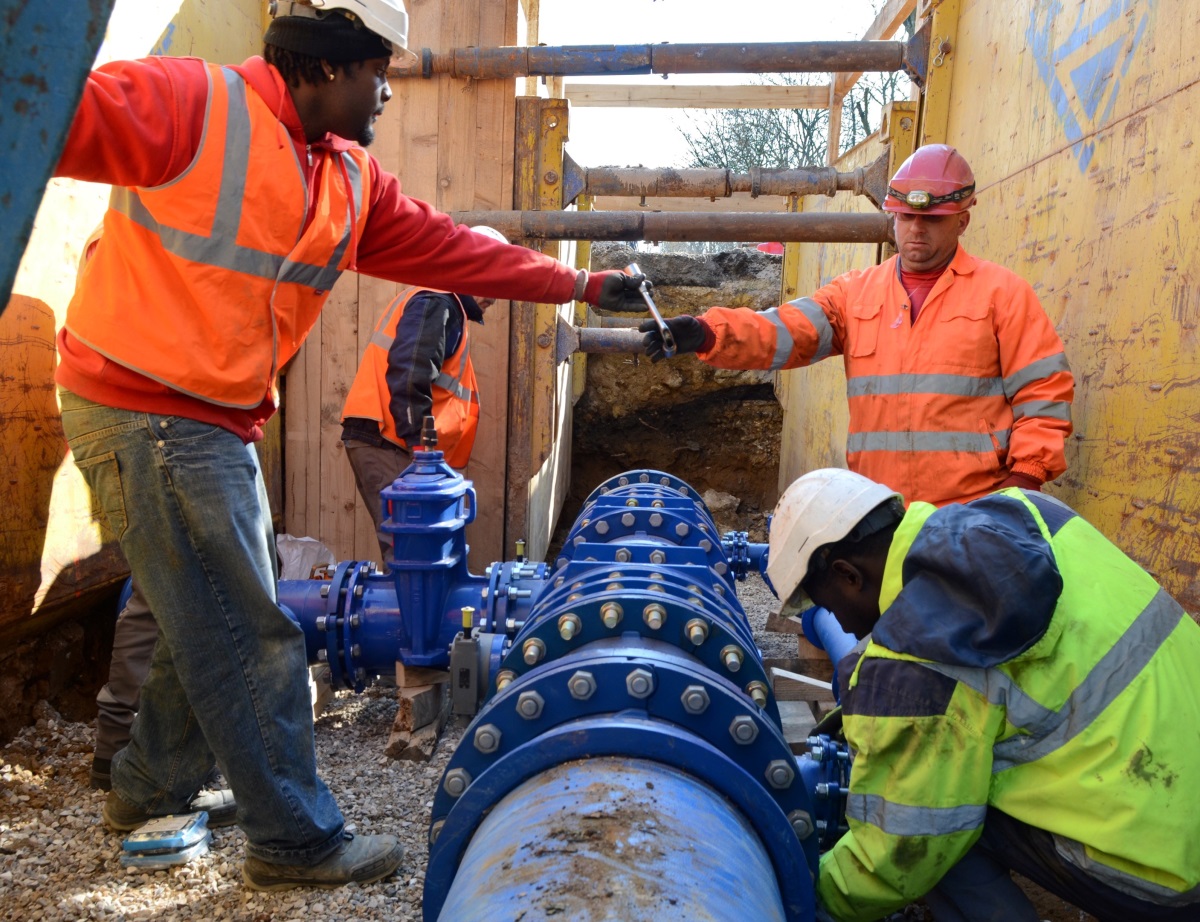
(663, 330)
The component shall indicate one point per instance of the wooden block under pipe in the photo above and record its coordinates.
(421, 705)
(410, 676)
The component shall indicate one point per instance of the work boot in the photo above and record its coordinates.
(101, 774)
(122, 816)
(357, 859)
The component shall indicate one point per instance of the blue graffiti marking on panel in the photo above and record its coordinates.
(1085, 100)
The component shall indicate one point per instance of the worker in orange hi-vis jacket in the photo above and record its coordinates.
(956, 378)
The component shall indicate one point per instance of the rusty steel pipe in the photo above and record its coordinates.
(715, 183)
(565, 61)
(685, 225)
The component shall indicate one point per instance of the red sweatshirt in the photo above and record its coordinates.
(139, 123)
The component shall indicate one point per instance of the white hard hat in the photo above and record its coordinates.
(820, 508)
(386, 18)
(489, 232)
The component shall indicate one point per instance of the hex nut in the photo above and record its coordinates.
(530, 704)
(780, 774)
(582, 685)
(695, 699)
(801, 823)
(627, 520)
(456, 782)
(743, 729)
(435, 830)
(487, 738)
(640, 683)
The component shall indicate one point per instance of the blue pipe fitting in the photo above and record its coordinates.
(426, 511)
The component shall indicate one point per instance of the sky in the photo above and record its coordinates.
(651, 137)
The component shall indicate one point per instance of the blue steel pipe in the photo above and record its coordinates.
(564, 831)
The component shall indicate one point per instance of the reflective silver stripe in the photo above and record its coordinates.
(455, 387)
(1000, 690)
(975, 442)
(381, 340)
(783, 338)
(454, 384)
(235, 167)
(1103, 685)
(950, 385)
(1051, 409)
(1035, 371)
(816, 316)
(904, 820)
(1135, 886)
(220, 248)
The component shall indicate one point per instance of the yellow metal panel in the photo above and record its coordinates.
(1078, 120)
(935, 99)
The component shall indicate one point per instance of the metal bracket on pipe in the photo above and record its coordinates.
(916, 54)
(570, 339)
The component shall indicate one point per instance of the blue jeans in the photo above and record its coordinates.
(188, 504)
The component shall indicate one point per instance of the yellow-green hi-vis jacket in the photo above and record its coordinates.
(1021, 662)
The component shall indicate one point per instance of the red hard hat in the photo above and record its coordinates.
(934, 180)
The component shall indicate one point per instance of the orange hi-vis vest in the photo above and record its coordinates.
(941, 410)
(455, 395)
(210, 283)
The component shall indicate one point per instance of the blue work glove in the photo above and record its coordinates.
(690, 334)
(615, 291)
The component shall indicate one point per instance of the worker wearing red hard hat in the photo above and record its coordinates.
(956, 378)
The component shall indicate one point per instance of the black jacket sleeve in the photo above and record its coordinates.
(415, 360)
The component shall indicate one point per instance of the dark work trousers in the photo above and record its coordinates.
(374, 469)
(979, 889)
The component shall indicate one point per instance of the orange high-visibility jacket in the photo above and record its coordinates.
(942, 410)
(454, 390)
(202, 294)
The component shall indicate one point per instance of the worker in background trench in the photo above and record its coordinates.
(956, 379)
(417, 363)
(240, 195)
(1026, 699)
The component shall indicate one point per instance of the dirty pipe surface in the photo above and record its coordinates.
(615, 60)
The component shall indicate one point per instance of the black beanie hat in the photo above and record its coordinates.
(335, 38)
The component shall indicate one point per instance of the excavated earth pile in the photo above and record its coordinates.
(718, 430)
